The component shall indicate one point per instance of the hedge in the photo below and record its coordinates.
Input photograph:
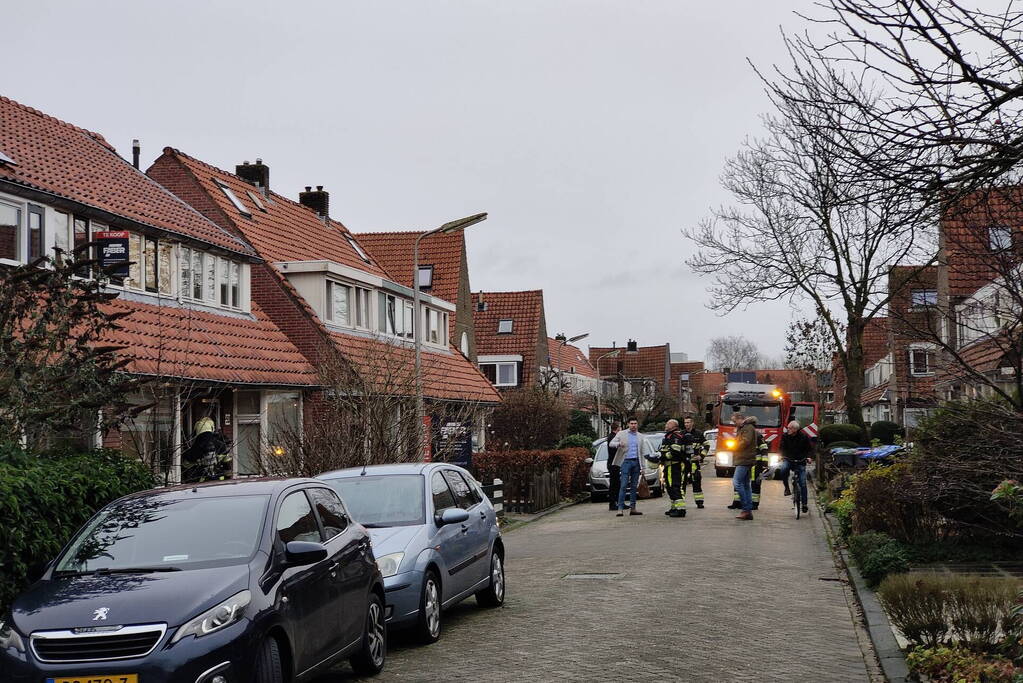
(885, 431)
(841, 432)
(44, 499)
(576, 441)
(570, 462)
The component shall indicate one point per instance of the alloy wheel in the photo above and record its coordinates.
(497, 576)
(377, 641)
(432, 608)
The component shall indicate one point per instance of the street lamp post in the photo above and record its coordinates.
(417, 318)
(561, 347)
(600, 389)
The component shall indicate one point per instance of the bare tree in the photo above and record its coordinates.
(651, 408)
(735, 352)
(365, 414)
(809, 345)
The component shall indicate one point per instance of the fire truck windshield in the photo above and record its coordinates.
(767, 416)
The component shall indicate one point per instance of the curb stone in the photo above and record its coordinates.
(882, 634)
(519, 523)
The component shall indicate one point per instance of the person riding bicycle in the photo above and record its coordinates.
(796, 450)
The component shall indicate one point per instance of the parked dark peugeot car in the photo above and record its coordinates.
(229, 582)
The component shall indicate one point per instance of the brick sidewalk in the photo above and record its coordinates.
(674, 613)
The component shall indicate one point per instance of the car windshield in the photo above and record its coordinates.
(166, 534)
(383, 501)
(767, 416)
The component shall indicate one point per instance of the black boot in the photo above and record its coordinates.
(787, 491)
(756, 506)
(735, 505)
(699, 504)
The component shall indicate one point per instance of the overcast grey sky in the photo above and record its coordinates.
(592, 131)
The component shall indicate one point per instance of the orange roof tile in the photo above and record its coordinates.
(524, 309)
(70, 162)
(393, 251)
(285, 231)
(201, 345)
(446, 376)
(569, 357)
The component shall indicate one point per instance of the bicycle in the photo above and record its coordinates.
(797, 488)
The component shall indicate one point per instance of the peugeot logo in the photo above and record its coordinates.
(100, 614)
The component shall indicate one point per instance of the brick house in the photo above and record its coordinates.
(878, 366)
(209, 346)
(643, 369)
(511, 337)
(322, 288)
(443, 273)
(913, 312)
(572, 365)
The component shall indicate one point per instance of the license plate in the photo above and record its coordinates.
(93, 678)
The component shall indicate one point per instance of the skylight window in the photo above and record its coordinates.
(504, 326)
(425, 277)
(242, 209)
(358, 249)
(4, 159)
(256, 200)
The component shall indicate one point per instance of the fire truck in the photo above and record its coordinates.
(773, 408)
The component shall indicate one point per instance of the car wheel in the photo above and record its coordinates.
(596, 497)
(428, 626)
(493, 594)
(369, 660)
(268, 662)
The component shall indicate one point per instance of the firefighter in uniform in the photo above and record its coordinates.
(759, 469)
(673, 460)
(694, 446)
(755, 475)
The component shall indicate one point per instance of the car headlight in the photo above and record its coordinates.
(389, 564)
(9, 638)
(773, 460)
(724, 458)
(221, 616)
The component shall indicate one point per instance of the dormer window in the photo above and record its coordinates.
(481, 306)
(923, 298)
(242, 209)
(504, 326)
(425, 277)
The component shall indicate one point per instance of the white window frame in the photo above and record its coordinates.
(329, 314)
(929, 351)
(21, 236)
(498, 366)
(233, 198)
(225, 270)
(358, 249)
(428, 272)
(929, 296)
(500, 326)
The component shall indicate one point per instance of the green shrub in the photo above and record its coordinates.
(862, 545)
(579, 423)
(44, 499)
(960, 665)
(889, 558)
(842, 508)
(841, 432)
(577, 441)
(884, 502)
(980, 608)
(843, 444)
(885, 432)
(915, 603)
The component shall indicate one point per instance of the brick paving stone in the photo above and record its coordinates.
(705, 598)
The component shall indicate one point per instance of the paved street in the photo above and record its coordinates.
(707, 598)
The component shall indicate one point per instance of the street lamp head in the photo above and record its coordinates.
(462, 223)
(579, 336)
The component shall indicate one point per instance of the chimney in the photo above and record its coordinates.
(136, 150)
(560, 336)
(632, 347)
(318, 200)
(258, 174)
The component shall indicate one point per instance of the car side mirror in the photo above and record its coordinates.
(451, 516)
(301, 553)
(588, 461)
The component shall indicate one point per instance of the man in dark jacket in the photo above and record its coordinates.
(614, 472)
(695, 443)
(744, 458)
(796, 449)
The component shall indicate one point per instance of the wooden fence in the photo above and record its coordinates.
(530, 491)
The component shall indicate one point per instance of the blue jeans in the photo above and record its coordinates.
(800, 468)
(630, 477)
(742, 486)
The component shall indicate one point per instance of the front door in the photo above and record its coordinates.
(313, 600)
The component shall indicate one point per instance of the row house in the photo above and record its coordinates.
(877, 364)
(686, 384)
(574, 372)
(325, 290)
(913, 321)
(443, 273)
(635, 369)
(511, 337)
(194, 326)
(980, 295)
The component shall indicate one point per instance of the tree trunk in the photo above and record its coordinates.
(854, 373)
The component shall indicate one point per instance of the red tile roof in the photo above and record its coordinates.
(524, 309)
(652, 362)
(393, 251)
(286, 231)
(70, 162)
(964, 236)
(568, 358)
(446, 376)
(177, 342)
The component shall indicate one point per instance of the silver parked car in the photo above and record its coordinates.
(435, 538)
(597, 482)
